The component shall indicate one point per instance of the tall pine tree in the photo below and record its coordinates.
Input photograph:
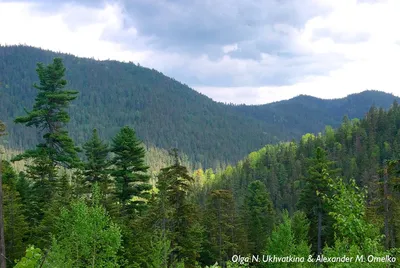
(49, 115)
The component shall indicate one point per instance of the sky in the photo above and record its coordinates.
(234, 51)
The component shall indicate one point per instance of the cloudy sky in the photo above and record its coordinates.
(240, 51)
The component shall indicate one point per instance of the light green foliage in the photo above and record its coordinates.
(32, 259)
(348, 211)
(283, 242)
(85, 237)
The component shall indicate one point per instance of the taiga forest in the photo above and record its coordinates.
(111, 164)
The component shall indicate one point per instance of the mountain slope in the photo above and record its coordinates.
(164, 112)
(309, 114)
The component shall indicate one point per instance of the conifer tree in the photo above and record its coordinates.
(311, 199)
(15, 223)
(49, 115)
(96, 166)
(259, 215)
(221, 227)
(179, 221)
(130, 171)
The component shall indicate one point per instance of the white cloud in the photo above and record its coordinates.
(372, 62)
(229, 48)
(20, 24)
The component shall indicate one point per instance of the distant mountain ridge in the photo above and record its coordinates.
(164, 112)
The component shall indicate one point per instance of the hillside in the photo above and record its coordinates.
(164, 112)
(309, 114)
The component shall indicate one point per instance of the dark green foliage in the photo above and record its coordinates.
(129, 171)
(96, 167)
(2, 129)
(49, 115)
(221, 228)
(259, 215)
(15, 222)
(178, 218)
(319, 176)
(115, 94)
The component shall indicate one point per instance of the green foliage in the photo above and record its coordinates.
(2, 129)
(85, 237)
(96, 167)
(179, 220)
(15, 222)
(115, 94)
(283, 242)
(49, 114)
(129, 171)
(348, 210)
(221, 225)
(32, 258)
(259, 215)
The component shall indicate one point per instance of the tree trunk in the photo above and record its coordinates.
(386, 207)
(319, 242)
(2, 240)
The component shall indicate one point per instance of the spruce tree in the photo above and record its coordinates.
(96, 166)
(178, 216)
(221, 227)
(311, 200)
(259, 215)
(15, 222)
(130, 171)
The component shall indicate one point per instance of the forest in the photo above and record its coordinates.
(316, 202)
(114, 94)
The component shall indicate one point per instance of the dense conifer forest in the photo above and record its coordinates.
(164, 112)
(303, 203)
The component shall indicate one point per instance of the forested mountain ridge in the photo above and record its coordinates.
(304, 113)
(164, 112)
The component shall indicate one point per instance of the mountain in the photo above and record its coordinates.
(164, 112)
(304, 113)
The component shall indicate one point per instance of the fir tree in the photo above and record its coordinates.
(259, 215)
(179, 221)
(311, 199)
(129, 171)
(97, 164)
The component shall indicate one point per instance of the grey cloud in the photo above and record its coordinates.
(196, 26)
(181, 33)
